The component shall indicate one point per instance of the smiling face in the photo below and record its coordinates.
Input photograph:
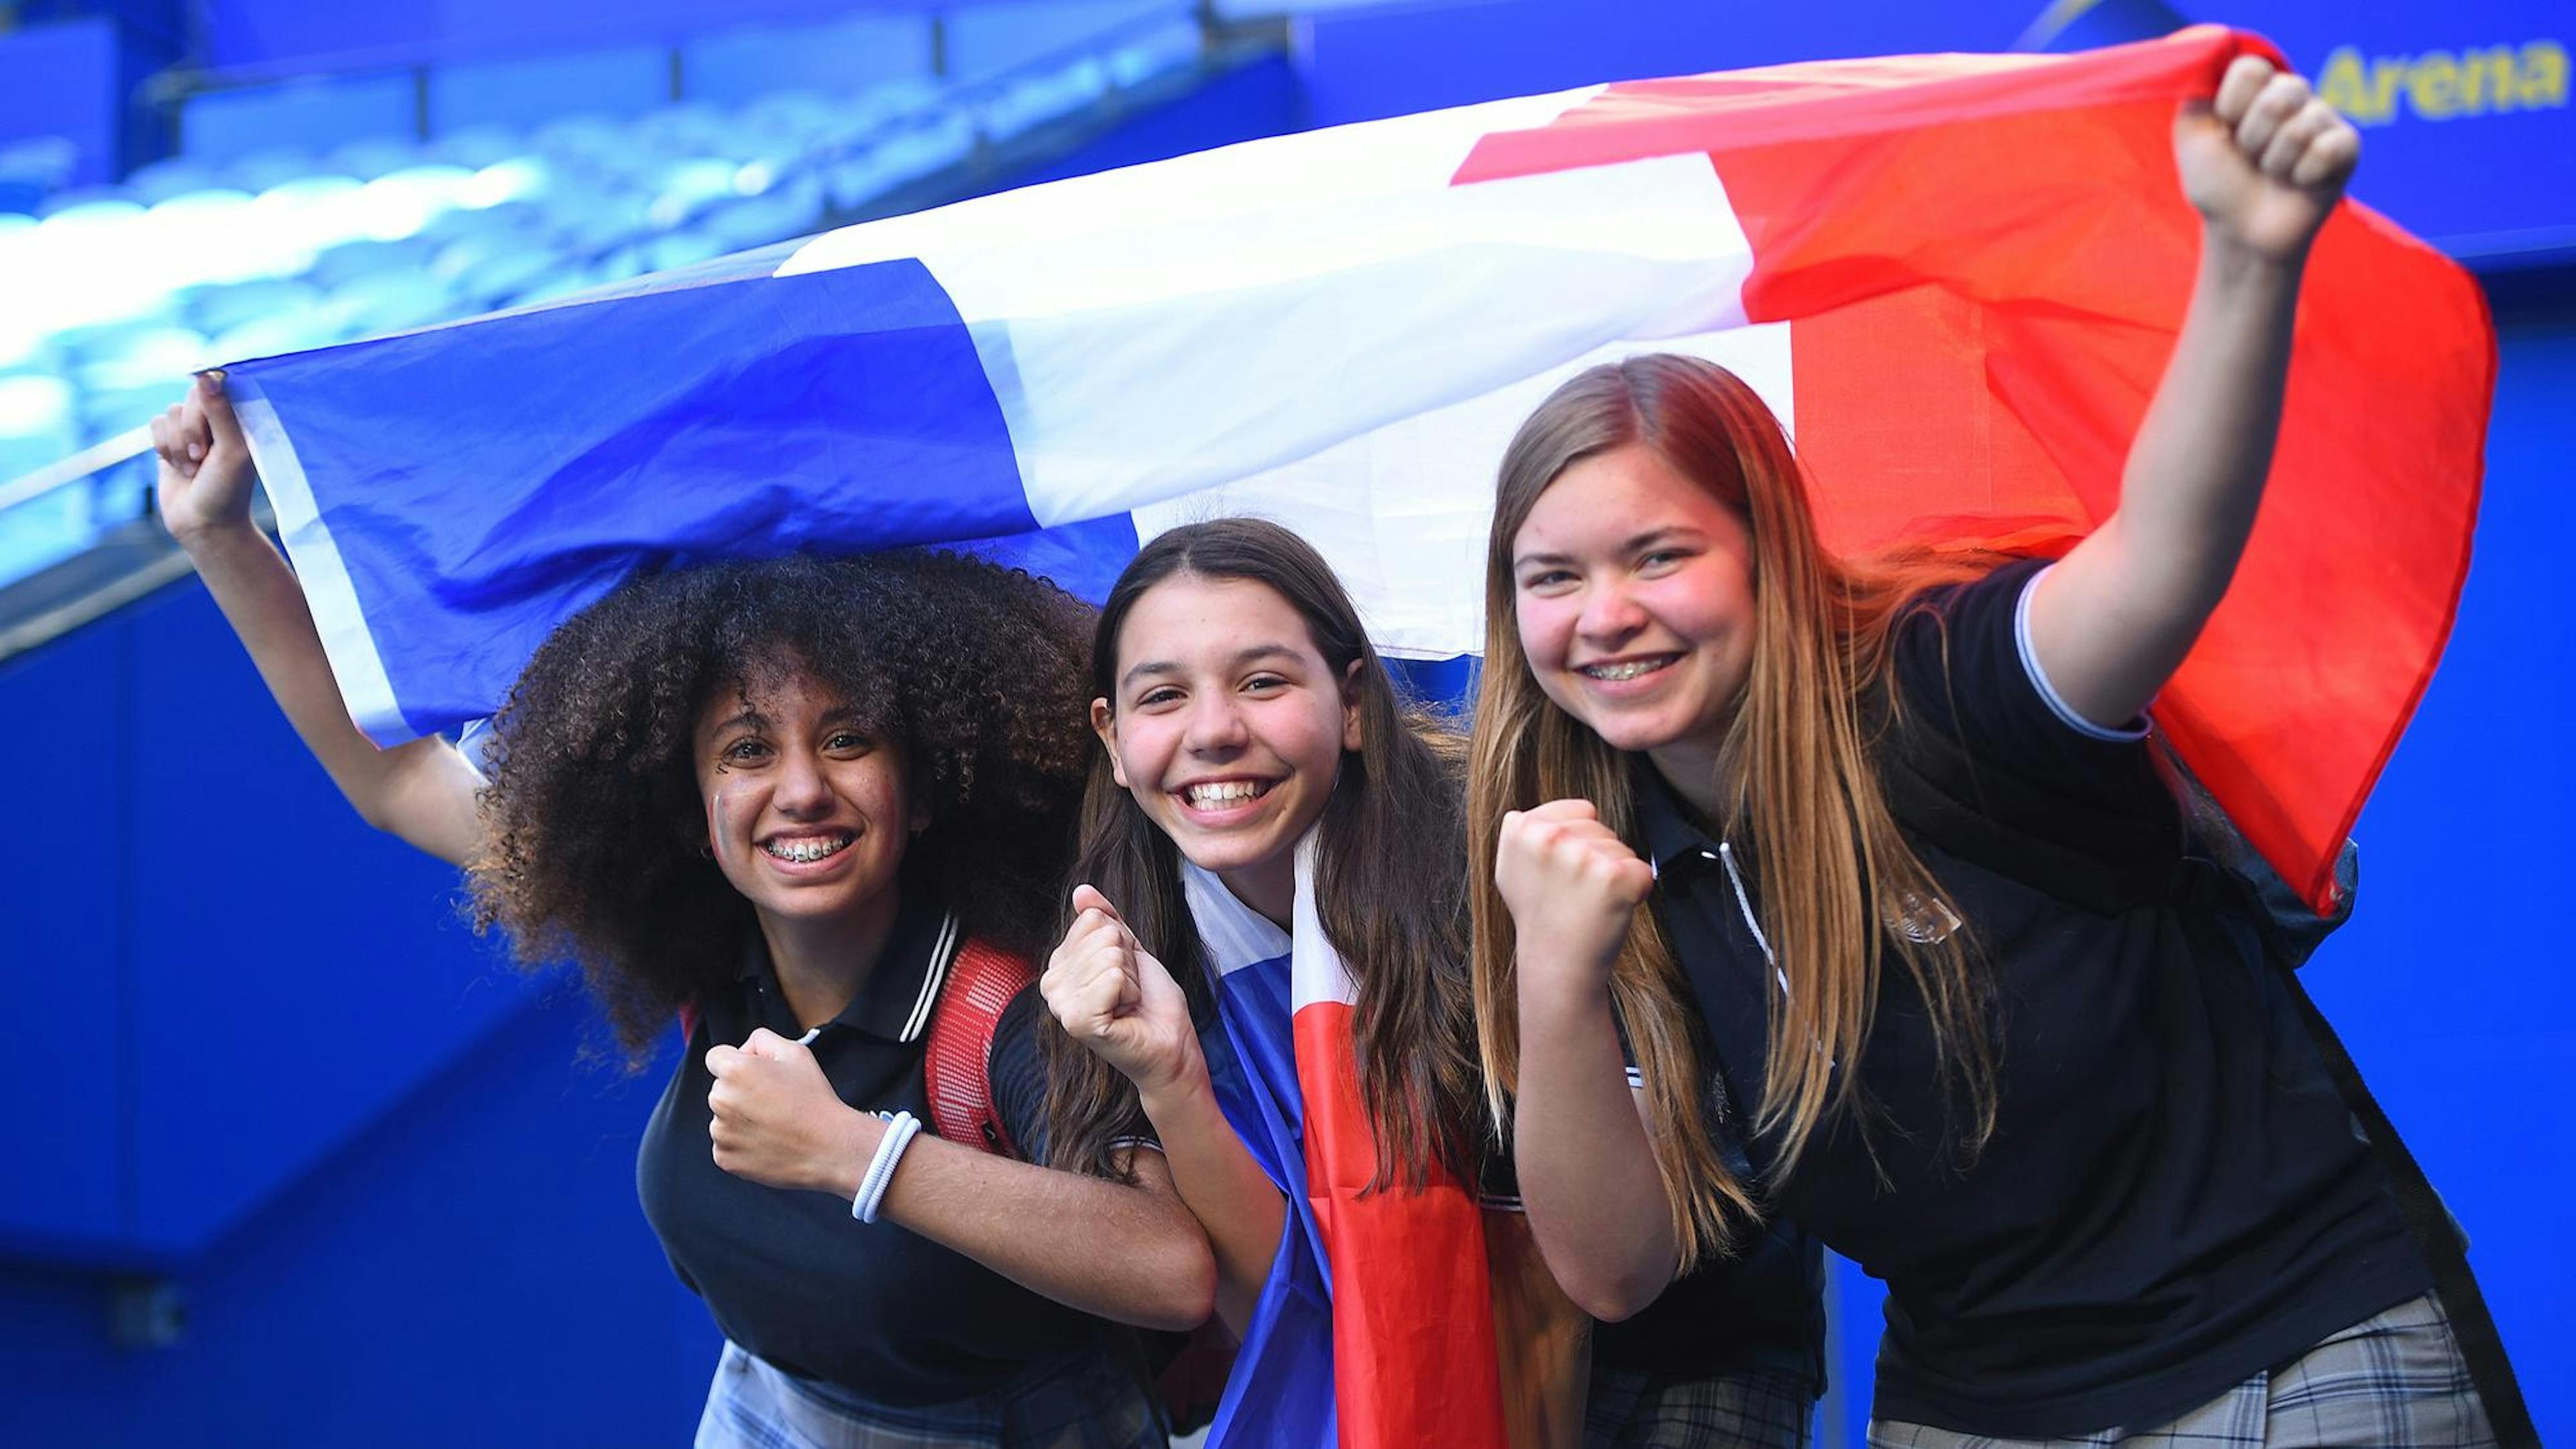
(1228, 728)
(808, 810)
(1632, 590)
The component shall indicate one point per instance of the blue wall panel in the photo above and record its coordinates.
(619, 82)
(326, 33)
(65, 1077)
(845, 56)
(2450, 985)
(985, 38)
(61, 80)
(1260, 99)
(297, 973)
(1370, 63)
(474, 1272)
(312, 115)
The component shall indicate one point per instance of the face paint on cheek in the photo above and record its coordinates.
(726, 808)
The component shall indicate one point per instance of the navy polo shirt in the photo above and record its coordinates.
(2174, 1198)
(869, 1308)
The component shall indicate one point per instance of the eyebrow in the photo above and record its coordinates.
(754, 719)
(1248, 655)
(1674, 532)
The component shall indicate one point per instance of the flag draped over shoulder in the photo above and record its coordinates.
(1376, 1325)
(1955, 277)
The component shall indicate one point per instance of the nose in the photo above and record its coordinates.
(801, 789)
(1609, 614)
(1215, 725)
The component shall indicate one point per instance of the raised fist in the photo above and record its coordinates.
(1111, 995)
(2265, 159)
(775, 1119)
(1573, 888)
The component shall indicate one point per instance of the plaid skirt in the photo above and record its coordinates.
(2395, 1378)
(1631, 1409)
(1090, 1402)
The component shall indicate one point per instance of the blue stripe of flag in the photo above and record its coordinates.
(842, 410)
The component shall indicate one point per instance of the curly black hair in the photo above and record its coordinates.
(595, 825)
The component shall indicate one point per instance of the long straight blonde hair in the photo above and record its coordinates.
(1794, 774)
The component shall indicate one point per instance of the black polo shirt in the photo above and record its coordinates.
(871, 1308)
(2174, 1198)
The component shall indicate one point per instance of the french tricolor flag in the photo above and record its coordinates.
(1375, 1329)
(1956, 277)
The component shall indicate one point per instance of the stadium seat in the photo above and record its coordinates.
(497, 278)
(147, 357)
(352, 259)
(390, 301)
(277, 332)
(36, 413)
(372, 157)
(220, 309)
(264, 170)
(757, 221)
(476, 146)
(687, 128)
(97, 342)
(676, 249)
(106, 412)
(158, 181)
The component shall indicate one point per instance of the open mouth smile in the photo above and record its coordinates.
(1617, 670)
(1222, 795)
(807, 849)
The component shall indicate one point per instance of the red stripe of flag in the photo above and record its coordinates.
(1413, 1337)
(1984, 262)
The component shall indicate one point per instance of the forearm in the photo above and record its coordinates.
(2195, 472)
(1233, 1199)
(1129, 1253)
(422, 791)
(2113, 622)
(1588, 1176)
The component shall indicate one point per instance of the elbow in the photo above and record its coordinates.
(1615, 1295)
(374, 813)
(1185, 1294)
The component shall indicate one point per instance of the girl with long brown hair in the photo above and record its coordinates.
(1266, 804)
(2102, 1173)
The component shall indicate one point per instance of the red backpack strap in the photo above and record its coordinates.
(958, 1065)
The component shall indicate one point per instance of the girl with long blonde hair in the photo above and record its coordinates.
(2097, 1164)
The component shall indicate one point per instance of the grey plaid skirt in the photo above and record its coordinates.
(1754, 1407)
(1084, 1403)
(2392, 1379)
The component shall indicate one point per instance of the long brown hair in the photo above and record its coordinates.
(1794, 778)
(1390, 876)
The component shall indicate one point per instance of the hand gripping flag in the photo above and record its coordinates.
(1955, 277)
(1376, 1325)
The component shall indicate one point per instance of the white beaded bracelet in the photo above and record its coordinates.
(899, 1133)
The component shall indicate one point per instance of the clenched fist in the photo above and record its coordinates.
(776, 1120)
(1573, 888)
(2265, 159)
(1111, 995)
(205, 468)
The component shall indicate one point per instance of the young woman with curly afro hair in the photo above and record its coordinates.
(777, 800)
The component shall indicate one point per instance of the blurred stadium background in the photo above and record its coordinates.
(291, 1158)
